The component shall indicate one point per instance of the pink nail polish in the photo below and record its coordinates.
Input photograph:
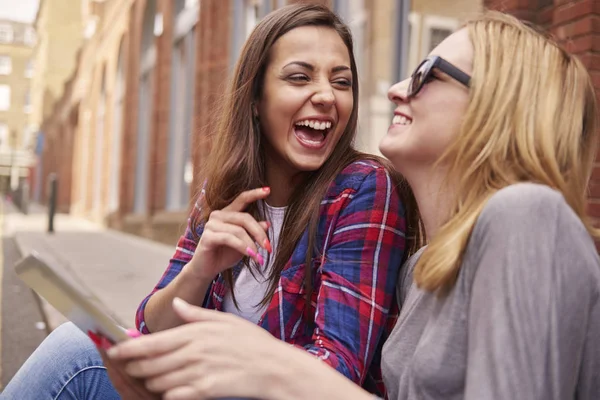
(267, 246)
(133, 333)
(260, 260)
(251, 252)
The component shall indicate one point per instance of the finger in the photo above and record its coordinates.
(247, 222)
(151, 367)
(173, 379)
(233, 229)
(190, 313)
(245, 198)
(183, 393)
(216, 239)
(128, 387)
(149, 345)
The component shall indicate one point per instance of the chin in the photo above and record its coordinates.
(308, 165)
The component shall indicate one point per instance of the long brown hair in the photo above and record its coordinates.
(237, 162)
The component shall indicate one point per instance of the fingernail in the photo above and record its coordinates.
(268, 224)
(267, 246)
(260, 260)
(251, 252)
(95, 338)
(266, 188)
(133, 333)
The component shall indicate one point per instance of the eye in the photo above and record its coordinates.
(345, 83)
(298, 78)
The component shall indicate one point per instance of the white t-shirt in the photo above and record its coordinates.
(250, 290)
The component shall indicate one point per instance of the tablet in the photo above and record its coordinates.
(77, 305)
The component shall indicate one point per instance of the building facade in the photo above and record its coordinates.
(60, 34)
(16, 71)
(128, 136)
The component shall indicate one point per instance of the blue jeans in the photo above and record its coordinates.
(66, 366)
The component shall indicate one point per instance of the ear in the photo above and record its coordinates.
(254, 110)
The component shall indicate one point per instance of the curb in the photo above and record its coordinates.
(50, 315)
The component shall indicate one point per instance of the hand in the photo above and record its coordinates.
(128, 387)
(215, 355)
(230, 234)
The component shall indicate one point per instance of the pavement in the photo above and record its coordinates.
(119, 269)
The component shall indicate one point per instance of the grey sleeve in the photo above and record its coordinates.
(534, 313)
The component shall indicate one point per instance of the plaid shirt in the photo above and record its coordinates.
(361, 240)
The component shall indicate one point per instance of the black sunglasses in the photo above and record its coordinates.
(423, 74)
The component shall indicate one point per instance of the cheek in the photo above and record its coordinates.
(440, 122)
(345, 105)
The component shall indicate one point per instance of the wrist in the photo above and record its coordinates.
(195, 272)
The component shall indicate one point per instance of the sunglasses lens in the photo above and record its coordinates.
(419, 77)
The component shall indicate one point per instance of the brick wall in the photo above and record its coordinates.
(212, 68)
(160, 128)
(131, 107)
(577, 25)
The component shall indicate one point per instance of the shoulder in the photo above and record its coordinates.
(528, 219)
(365, 175)
(525, 204)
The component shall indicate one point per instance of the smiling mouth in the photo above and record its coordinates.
(312, 133)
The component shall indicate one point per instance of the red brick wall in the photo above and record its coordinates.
(212, 68)
(131, 106)
(577, 25)
(160, 127)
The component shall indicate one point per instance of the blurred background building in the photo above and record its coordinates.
(16, 130)
(122, 90)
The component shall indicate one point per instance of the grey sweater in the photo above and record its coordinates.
(522, 321)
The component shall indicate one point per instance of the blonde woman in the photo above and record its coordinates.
(496, 134)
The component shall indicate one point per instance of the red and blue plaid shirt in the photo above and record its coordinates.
(362, 243)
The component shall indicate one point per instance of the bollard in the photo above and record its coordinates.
(53, 183)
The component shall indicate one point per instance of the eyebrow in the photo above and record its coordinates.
(311, 67)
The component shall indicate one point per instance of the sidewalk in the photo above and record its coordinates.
(118, 268)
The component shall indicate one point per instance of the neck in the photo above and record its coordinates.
(282, 182)
(432, 198)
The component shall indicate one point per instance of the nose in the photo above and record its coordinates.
(324, 96)
(398, 93)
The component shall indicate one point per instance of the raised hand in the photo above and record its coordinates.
(230, 234)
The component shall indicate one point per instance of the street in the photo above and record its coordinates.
(20, 318)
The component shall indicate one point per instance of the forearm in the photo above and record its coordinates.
(159, 314)
(293, 373)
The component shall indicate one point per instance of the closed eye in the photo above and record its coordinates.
(298, 78)
(343, 82)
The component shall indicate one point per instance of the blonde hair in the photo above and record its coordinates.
(531, 117)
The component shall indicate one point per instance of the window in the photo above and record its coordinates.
(27, 102)
(435, 30)
(29, 37)
(5, 65)
(6, 33)
(29, 69)
(252, 16)
(3, 136)
(4, 97)
(437, 36)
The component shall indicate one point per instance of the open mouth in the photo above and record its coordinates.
(312, 133)
(401, 120)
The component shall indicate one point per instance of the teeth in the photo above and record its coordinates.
(401, 120)
(321, 126)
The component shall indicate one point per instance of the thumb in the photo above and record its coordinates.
(190, 313)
